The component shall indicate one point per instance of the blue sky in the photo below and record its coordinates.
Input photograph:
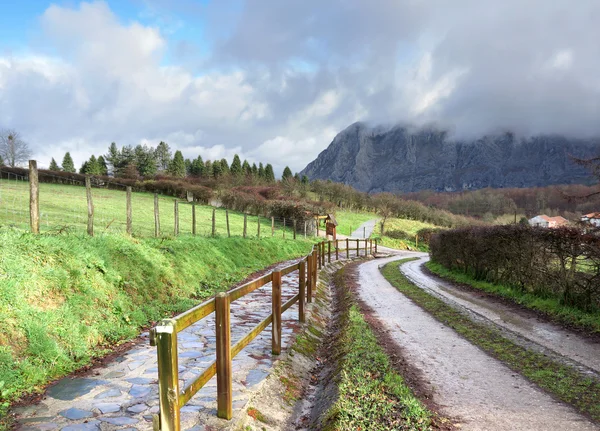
(276, 80)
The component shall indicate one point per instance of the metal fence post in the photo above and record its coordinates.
(223, 341)
(168, 375)
(302, 291)
(276, 307)
(375, 245)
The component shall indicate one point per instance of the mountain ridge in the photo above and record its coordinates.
(406, 158)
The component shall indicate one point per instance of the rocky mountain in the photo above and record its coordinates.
(407, 159)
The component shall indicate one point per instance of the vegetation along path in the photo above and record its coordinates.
(125, 392)
(471, 387)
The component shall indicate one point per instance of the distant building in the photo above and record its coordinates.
(591, 218)
(549, 222)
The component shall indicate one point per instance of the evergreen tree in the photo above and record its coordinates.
(236, 166)
(1, 161)
(297, 176)
(113, 157)
(261, 171)
(224, 167)
(254, 170)
(67, 163)
(177, 165)
(93, 168)
(53, 165)
(287, 173)
(145, 160)
(84, 167)
(163, 156)
(208, 169)
(217, 169)
(304, 180)
(269, 173)
(246, 168)
(197, 169)
(103, 168)
(188, 167)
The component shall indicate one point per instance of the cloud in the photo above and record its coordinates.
(274, 81)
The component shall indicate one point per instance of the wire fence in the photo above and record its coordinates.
(63, 207)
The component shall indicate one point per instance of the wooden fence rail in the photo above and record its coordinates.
(164, 335)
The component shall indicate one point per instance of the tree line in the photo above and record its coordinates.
(147, 161)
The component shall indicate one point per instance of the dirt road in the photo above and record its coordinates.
(467, 383)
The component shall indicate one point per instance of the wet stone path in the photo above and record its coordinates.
(124, 394)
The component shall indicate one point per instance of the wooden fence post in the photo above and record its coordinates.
(319, 255)
(347, 249)
(245, 224)
(227, 220)
(129, 210)
(90, 205)
(272, 226)
(315, 273)
(168, 375)
(357, 249)
(371, 247)
(366, 252)
(328, 251)
(375, 245)
(283, 228)
(364, 231)
(214, 222)
(310, 264)
(193, 218)
(305, 229)
(223, 341)
(156, 216)
(294, 228)
(317, 225)
(176, 217)
(302, 291)
(337, 249)
(258, 228)
(323, 253)
(276, 306)
(34, 198)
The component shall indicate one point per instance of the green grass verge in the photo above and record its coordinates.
(411, 227)
(551, 307)
(372, 395)
(64, 298)
(566, 383)
(66, 206)
(350, 221)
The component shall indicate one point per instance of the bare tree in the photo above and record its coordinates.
(13, 149)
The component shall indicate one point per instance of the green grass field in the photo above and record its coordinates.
(65, 298)
(411, 227)
(65, 206)
(350, 221)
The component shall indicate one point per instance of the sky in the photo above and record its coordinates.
(274, 81)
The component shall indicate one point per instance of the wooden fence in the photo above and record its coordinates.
(164, 335)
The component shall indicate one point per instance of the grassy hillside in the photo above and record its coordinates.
(350, 221)
(411, 227)
(63, 298)
(66, 206)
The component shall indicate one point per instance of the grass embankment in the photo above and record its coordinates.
(65, 298)
(372, 395)
(566, 383)
(551, 307)
(411, 227)
(65, 206)
(349, 221)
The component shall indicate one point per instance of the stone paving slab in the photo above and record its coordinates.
(124, 394)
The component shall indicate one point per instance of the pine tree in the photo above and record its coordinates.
(67, 163)
(197, 169)
(304, 179)
(84, 168)
(177, 165)
(163, 156)
(103, 168)
(224, 167)
(246, 169)
(113, 157)
(217, 169)
(254, 170)
(287, 173)
(93, 168)
(236, 166)
(269, 174)
(1, 161)
(261, 171)
(208, 169)
(145, 160)
(53, 165)
(297, 176)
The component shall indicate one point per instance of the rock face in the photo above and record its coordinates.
(400, 158)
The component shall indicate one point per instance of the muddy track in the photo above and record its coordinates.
(464, 381)
(520, 325)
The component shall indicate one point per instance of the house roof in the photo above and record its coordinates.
(593, 215)
(558, 219)
(332, 219)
